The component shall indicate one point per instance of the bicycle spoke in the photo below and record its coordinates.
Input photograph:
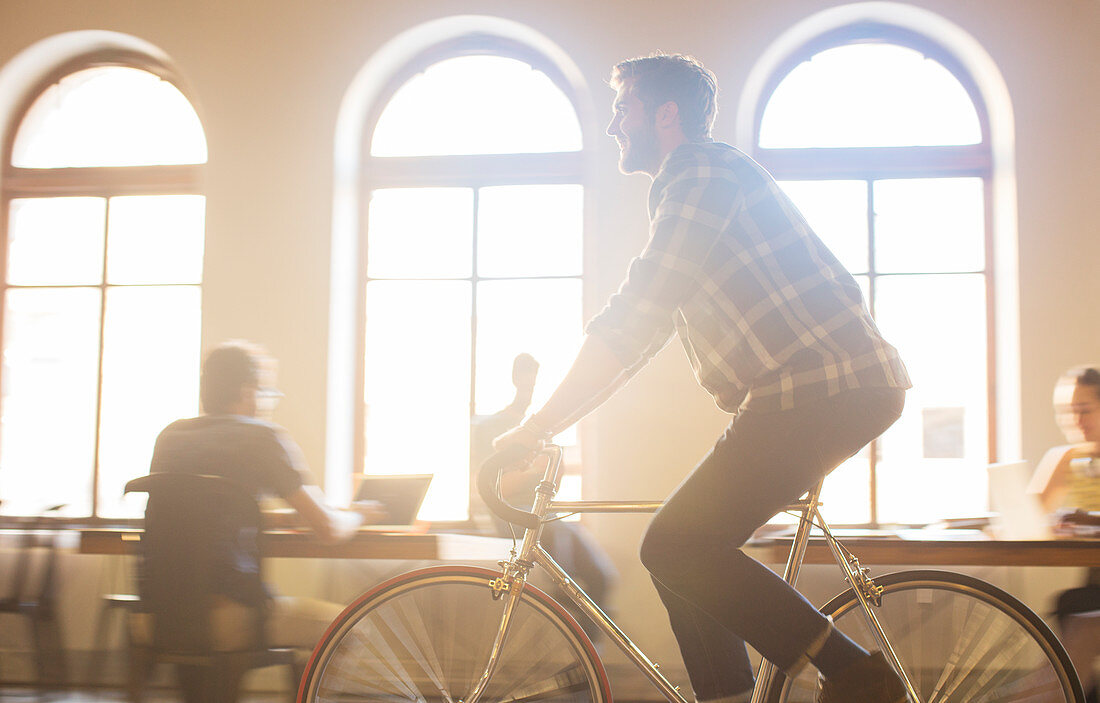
(429, 642)
(960, 640)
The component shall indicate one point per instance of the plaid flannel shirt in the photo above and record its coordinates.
(768, 316)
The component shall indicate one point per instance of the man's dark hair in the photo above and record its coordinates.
(678, 78)
(227, 369)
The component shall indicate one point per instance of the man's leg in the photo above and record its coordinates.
(716, 659)
(759, 466)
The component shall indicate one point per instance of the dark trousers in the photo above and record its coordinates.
(716, 596)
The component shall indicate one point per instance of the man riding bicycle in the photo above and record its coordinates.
(776, 330)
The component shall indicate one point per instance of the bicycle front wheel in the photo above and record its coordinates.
(960, 639)
(426, 636)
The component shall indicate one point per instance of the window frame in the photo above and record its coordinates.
(473, 171)
(870, 164)
(96, 181)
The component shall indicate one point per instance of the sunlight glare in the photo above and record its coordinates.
(530, 230)
(477, 105)
(929, 225)
(418, 390)
(869, 95)
(420, 233)
(156, 239)
(150, 378)
(39, 228)
(109, 116)
(938, 324)
(50, 369)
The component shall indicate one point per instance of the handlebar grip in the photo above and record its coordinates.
(487, 487)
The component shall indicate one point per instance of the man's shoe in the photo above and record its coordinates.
(869, 680)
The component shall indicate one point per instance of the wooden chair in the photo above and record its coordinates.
(188, 520)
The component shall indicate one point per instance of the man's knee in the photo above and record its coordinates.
(662, 552)
(649, 552)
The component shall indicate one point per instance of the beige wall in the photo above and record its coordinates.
(268, 78)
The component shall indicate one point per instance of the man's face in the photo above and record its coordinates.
(635, 132)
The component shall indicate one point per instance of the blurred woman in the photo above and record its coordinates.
(1067, 482)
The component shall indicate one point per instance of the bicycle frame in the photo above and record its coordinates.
(531, 553)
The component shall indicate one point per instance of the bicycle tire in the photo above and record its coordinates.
(426, 635)
(959, 638)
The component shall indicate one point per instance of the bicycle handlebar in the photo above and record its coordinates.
(487, 487)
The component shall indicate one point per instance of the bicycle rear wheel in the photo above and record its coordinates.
(960, 639)
(426, 636)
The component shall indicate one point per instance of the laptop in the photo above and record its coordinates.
(400, 494)
(1017, 514)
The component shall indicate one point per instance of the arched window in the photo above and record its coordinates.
(102, 231)
(473, 253)
(881, 140)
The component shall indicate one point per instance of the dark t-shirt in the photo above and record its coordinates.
(252, 452)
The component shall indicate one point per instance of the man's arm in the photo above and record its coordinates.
(595, 374)
(331, 524)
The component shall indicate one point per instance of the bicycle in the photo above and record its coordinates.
(467, 634)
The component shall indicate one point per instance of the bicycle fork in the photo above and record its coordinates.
(509, 584)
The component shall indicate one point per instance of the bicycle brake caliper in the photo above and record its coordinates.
(867, 586)
(509, 572)
(500, 585)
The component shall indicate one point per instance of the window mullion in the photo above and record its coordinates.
(991, 317)
(118, 180)
(475, 281)
(872, 276)
(100, 360)
(876, 162)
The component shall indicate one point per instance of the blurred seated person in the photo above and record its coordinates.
(234, 439)
(1067, 482)
(567, 542)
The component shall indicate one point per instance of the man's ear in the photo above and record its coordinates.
(668, 115)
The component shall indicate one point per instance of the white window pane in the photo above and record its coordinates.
(418, 388)
(150, 378)
(47, 429)
(929, 225)
(864, 287)
(938, 325)
(869, 95)
(420, 233)
(837, 212)
(531, 230)
(845, 496)
(156, 239)
(109, 116)
(477, 105)
(40, 228)
(541, 318)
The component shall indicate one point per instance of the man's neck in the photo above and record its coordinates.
(668, 141)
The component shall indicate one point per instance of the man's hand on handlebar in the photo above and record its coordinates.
(520, 436)
(530, 436)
